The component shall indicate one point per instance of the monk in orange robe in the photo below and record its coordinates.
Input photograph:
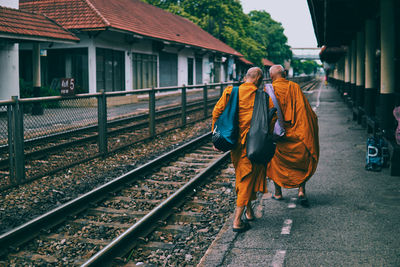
(297, 153)
(250, 178)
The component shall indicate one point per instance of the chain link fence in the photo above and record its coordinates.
(59, 116)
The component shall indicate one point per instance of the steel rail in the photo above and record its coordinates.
(29, 230)
(125, 241)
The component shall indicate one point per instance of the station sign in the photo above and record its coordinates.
(67, 86)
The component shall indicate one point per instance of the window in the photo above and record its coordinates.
(190, 71)
(168, 69)
(144, 71)
(199, 70)
(110, 70)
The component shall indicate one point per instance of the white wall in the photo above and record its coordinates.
(223, 72)
(9, 71)
(9, 67)
(183, 56)
(206, 68)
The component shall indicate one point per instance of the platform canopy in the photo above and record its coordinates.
(336, 21)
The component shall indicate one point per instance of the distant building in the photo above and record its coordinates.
(242, 66)
(125, 45)
(24, 27)
(267, 64)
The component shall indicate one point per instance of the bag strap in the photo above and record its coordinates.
(270, 91)
(235, 90)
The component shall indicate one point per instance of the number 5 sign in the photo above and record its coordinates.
(67, 86)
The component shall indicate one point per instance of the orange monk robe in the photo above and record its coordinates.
(250, 178)
(297, 153)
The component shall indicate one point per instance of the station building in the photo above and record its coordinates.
(361, 40)
(123, 45)
(17, 27)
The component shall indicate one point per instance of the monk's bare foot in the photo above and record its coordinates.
(249, 214)
(237, 221)
(302, 191)
(278, 192)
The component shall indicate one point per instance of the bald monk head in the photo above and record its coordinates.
(277, 71)
(254, 75)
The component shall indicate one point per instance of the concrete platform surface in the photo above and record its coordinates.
(353, 218)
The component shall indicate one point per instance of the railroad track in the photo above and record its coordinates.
(152, 202)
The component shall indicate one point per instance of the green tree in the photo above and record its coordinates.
(270, 34)
(304, 66)
(225, 20)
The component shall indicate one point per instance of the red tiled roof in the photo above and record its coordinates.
(72, 14)
(267, 62)
(245, 61)
(17, 24)
(128, 15)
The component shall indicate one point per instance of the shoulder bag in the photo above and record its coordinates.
(226, 129)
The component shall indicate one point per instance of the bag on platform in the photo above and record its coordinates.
(260, 144)
(226, 129)
(377, 154)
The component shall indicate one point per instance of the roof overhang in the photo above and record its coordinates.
(336, 22)
(16, 38)
(332, 54)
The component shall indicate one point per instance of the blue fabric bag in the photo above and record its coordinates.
(377, 154)
(226, 129)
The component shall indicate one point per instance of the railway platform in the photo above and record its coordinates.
(352, 218)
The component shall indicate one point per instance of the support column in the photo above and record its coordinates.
(36, 108)
(353, 70)
(370, 62)
(347, 70)
(360, 77)
(387, 99)
(92, 67)
(341, 74)
(9, 74)
(358, 109)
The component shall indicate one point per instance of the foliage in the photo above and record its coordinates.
(256, 35)
(270, 34)
(26, 91)
(304, 66)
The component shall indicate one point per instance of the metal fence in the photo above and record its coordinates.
(66, 118)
